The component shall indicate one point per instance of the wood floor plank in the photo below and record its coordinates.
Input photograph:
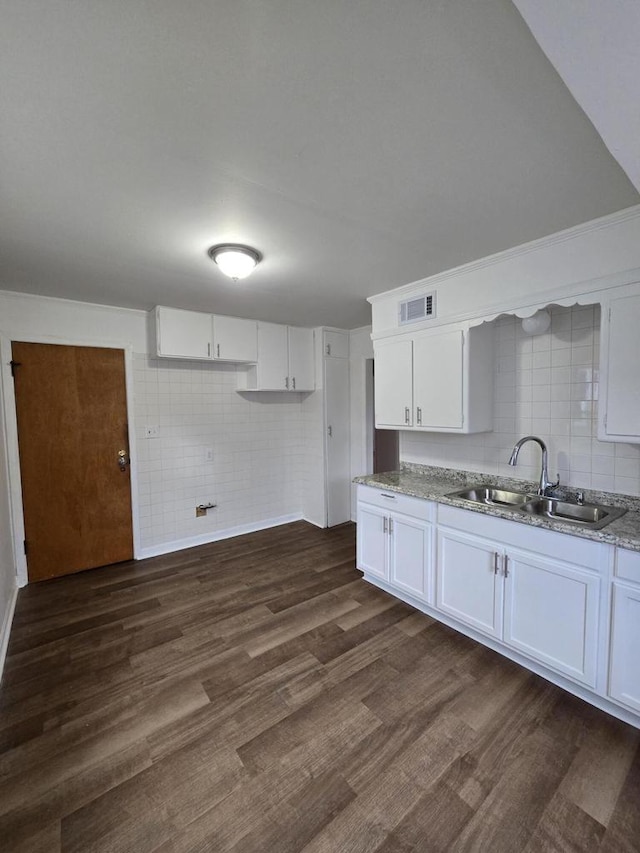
(255, 694)
(610, 747)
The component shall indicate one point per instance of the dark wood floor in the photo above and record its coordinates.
(257, 695)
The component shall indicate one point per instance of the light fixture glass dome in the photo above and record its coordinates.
(537, 324)
(234, 260)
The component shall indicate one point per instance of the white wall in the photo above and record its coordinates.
(266, 458)
(545, 385)
(257, 442)
(360, 350)
(588, 258)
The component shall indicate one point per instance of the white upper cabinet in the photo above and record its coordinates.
(393, 377)
(438, 381)
(619, 403)
(183, 334)
(301, 359)
(194, 335)
(235, 339)
(335, 344)
(285, 359)
(438, 373)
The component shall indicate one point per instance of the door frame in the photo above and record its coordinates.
(11, 438)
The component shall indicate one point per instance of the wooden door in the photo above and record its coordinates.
(72, 424)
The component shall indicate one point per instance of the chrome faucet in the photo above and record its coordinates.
(545, 485)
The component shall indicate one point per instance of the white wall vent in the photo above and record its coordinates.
(417, 309)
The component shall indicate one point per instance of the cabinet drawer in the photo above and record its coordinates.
(394, 502)
(628, 565)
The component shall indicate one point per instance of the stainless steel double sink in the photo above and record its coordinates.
(589, 515)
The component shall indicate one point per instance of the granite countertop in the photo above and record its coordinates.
(434, 484)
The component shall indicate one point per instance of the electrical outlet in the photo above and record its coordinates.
(152, 431)
(208, 454)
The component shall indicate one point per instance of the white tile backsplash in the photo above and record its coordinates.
(258, 442)
(545, 385)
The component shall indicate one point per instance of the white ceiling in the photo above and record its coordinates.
(359, 145)
(595, 49)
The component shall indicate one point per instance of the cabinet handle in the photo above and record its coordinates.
(506, 566)
(390, 526)
(495, 562)
(293, 382)
(384, 523)
(419, 415)
(209, 350)
(406, 414)
(330, 431)
(286, 382)
(218, 350)
(328, 349)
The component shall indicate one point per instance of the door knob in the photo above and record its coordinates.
(123, 459)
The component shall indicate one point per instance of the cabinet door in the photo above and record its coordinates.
(338, 469)
(620, 383)
(409, 555)
(624, 669)
(301, 360)
(183, 334)
(551, 614)
(372, 539)
(438, 380)
(393, 372)
(335, 344)
(468, 586)
(235, 339)
(273, 360)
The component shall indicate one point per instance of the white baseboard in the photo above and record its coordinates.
(215, 536)
(5, 631)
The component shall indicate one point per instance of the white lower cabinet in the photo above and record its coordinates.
(544, 598)
(372, 546)
(467, 581)
(394, 542)
(624, 671)
(543, 607)
(551, 611)
(409, 553)
(624, 661)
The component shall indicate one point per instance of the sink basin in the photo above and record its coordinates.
(491, 496)
(593, 516)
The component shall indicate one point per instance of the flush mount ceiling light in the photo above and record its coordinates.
(234, 260)
(537, 324)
